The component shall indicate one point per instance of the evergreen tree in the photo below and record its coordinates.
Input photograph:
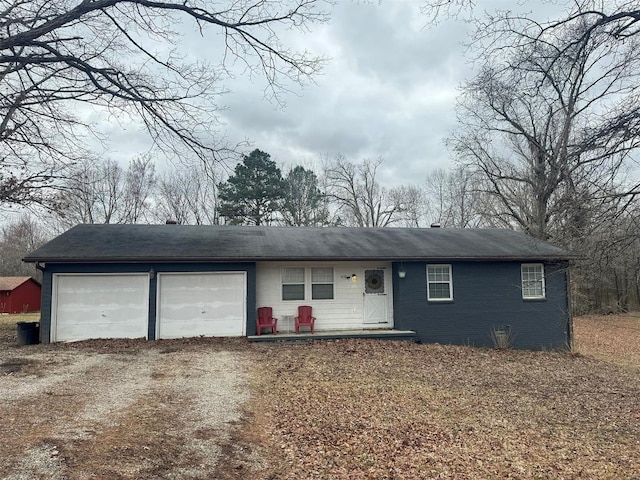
(304, 204)
(254, 193)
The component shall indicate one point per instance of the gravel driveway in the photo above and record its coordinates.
(119, 409)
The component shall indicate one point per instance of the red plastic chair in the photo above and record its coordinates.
(265, 320)
(304, 318)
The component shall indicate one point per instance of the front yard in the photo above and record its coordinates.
(327, 410)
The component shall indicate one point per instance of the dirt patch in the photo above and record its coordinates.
(16, 366)
(126, 409)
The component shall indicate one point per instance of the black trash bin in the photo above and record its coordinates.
(28, 333)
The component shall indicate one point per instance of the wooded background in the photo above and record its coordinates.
(546, 142)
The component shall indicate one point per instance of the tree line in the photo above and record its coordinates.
(342, 193)
(546, 143)
(255, 192)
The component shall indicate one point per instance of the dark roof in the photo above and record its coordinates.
(189, 243)
(11, 283)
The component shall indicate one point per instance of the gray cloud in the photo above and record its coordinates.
(389, 91)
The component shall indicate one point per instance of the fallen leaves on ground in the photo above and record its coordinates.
(348, 409)
(366, 409)
(613, 338)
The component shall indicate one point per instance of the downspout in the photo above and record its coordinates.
(41, 268)
(569, 308)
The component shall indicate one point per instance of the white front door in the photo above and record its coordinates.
(375, 297)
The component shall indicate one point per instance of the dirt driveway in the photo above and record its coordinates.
(124, 409)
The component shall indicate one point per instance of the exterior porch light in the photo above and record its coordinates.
(353, 278)
(401, 271)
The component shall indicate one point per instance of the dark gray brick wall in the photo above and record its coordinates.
(487, 295)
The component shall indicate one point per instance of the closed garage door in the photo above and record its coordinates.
(208, 304)
(100, 306)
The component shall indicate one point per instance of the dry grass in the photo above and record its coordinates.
(612, 338)
(336, 410)
(378, 410)
(19, 317)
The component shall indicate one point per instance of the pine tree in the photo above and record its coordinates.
(304, 204)
(254, 193)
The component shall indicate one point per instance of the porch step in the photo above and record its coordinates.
(408, 335)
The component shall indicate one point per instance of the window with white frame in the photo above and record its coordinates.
(439, 283)
(293, 283)
(533, 280)
(322, 283)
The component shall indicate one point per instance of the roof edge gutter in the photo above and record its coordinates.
(40, 261)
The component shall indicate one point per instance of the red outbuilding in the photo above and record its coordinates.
(19, 295)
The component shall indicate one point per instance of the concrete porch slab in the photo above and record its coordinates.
(380, 334)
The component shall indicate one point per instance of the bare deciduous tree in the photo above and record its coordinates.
(101, 191)
(139, 186)
(91, 193)
(455, 199)
(58, 59)
(413, 206)
(551, 126)
(549, 122)
(188, 195)
(360, 199)
(435, 10)
(19, 237)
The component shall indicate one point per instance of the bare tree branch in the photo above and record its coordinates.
(361, 200)
(60, 59)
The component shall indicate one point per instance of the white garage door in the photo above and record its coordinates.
(100, 306)
(194, 304)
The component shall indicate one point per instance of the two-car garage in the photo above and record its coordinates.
(187, 304)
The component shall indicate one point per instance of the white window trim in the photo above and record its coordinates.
(544, 286)
(450, 282)
(333, 282)
(304, 284)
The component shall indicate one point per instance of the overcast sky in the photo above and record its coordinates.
(388, 91)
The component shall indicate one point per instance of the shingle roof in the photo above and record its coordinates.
(189, 243)
(10, 283)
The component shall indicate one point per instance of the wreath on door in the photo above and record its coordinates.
(374, 282)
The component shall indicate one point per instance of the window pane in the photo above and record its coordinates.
(322, 291)
(438, 273)
(532, 289)
(439, 290)
(293, 292)
(322, 275)
(439, 282)
(292, 275)
(374, 281)
(431, 274)
(533, 281)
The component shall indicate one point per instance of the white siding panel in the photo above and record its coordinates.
(344, 312)
(194, 304)
(100, 306)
